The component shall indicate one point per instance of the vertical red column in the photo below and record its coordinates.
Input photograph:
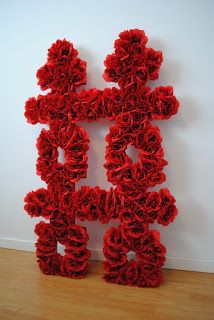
(62, 74)
(132, 65)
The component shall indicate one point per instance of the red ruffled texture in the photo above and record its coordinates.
(74, 263)
(74, 141)
(150, 255)
(63, 72)
(132, 63)
(132, 107)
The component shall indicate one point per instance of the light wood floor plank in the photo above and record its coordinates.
(27, 294)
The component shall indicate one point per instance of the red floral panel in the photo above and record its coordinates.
(131, 107)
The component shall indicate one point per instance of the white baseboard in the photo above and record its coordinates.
(179, 263)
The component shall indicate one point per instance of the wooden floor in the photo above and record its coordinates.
(27, 294)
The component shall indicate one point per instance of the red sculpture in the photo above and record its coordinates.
(131, 108)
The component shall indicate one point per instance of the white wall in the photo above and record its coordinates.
(183, 30)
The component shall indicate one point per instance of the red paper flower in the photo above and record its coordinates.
(132, 63)
(164, 103)
(40, 203)
(64, 71)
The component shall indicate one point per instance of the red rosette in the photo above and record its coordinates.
(74, 245)
(151, 276)
(151, 251)
(61, 52)
(167, 215)
(163, 102)
(91, 105)
(82, 255)
(129, 274)
(45, 248)
(44, 231)
(168, 210)
(60, 222)
(134, 230)
(31, 111)
(78, 233)
(73, 268)
(51, 265)
(113, 238)
(40, 203)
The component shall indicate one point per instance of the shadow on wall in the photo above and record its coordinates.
(179, 171)
(179, 174)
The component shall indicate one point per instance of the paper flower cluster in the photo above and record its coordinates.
(132, 107)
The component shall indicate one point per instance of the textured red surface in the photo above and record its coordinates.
(131, 107)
